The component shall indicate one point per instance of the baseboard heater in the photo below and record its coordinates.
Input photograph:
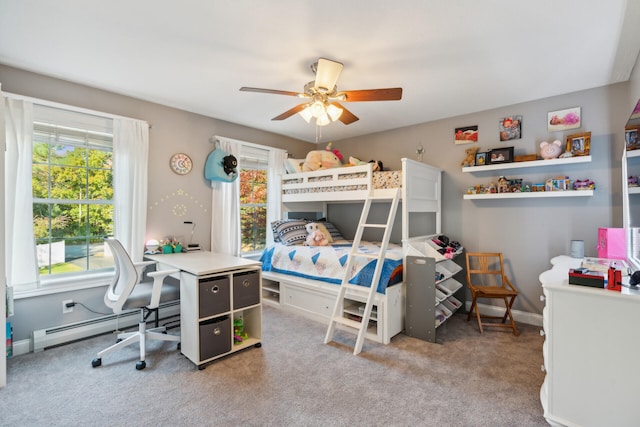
(51, 337)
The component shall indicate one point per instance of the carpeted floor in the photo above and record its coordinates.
(467, 379)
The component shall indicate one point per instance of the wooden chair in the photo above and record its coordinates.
(486, 279)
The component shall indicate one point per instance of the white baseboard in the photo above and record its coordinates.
(82, 330)
(518, 316)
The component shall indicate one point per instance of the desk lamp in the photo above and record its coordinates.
(192, 246)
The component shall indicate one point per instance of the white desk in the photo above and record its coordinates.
(216, 292)
(200, 263)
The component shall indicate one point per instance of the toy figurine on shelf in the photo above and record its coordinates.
(239, 335)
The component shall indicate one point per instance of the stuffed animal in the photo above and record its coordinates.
(316, 237)
(550, 150)
(377, 165)
(356, 162)
(320, 159)
(470, 158)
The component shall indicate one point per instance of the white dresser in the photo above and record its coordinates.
(591, 352)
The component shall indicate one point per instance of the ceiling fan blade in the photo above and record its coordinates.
(327, 74)
(290, 112)
(347, 117)
(274, 91)
(389, 94)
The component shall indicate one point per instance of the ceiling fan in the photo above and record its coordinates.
(322, 96)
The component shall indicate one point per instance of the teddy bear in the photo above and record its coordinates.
(322, 159)
(470, 158)
(315, 235)
(551, 150)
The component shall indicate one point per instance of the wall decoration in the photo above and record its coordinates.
(481, 159)
(181, 163)
(500, 155)
(636, 112)
(178, 206)
(579, 144)
(466, 135)
(631, 137)
(563, 119)
(510, 128)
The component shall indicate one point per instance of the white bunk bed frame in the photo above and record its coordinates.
(420, 192)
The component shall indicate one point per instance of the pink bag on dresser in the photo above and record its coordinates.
(612, 243)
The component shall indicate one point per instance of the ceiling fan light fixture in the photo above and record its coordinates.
(306, 114)
(334, 112)
(323, 120)
(317, 108)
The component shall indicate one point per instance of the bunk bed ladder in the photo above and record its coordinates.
(369, 293)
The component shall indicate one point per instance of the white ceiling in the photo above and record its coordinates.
(450, 57)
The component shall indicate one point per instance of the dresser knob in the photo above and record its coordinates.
(542, 298)
(542, 332)
(542, 368)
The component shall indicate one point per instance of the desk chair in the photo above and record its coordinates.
(486, 279)
(127, 292)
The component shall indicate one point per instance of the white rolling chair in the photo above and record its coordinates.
(127, 292)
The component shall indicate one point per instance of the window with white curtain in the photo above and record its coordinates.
(253, 166)
(72, 181)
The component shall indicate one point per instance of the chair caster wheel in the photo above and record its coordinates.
(96, 362)
(141, 365)
(258, 345)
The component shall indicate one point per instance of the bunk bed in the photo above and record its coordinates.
(313, 293)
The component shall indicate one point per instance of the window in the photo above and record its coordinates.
(253, 164)
(72, 181)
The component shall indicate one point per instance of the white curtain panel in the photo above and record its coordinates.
(274, 189)
(225, 209)
(131, 159)
(20, 257)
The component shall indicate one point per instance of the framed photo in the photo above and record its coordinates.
(564, 119)
(510, 128)
(481, 159)
(579, 144)
(466, 135)
(631, 137)
(500, 155)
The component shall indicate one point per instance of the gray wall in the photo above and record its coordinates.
(172, 131)
(528, 231)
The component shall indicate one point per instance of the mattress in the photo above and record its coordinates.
(380, 180)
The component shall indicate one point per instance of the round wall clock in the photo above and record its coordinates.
(181, 163)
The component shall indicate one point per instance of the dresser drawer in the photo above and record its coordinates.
(246, 289)
(213, 296)
(314, 302)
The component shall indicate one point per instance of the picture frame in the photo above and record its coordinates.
(510, 128)
(564, 119)
(481, 159)
(500, 155)
(579, 144)
(631, 137)
(466, 135)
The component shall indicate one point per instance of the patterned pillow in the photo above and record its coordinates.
(335, 233)
(289, 231)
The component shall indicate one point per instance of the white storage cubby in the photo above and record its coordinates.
(315, 300)
(209, 307)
